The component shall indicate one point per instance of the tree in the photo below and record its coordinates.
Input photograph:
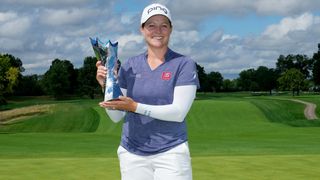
(247, 80)
(229, 85)
(87, 77)
(215, 81)
(266, 78)
(58, 79)
(300, 62)
(10, 73)
(202, 78)
(29, 86)
(316, 67)
(292, 80)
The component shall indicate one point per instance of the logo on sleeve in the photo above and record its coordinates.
(166, 75)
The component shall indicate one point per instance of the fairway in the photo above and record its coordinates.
(229, 138)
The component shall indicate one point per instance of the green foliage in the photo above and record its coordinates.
(212, 82)
(87, 77)
(229, 85)
(202, 78)
(300, 62)
(4, 67)
(247, 80)
(316, 67)
(12, 76)
(215, 81)
(60, 79)
(10, 72)
(292, 80)
(29, 85)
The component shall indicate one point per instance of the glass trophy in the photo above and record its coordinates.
(107, 53)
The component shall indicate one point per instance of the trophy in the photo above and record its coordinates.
(107, 53)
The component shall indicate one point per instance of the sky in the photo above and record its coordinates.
(225, 36)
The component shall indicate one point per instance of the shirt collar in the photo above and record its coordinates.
(167, 57)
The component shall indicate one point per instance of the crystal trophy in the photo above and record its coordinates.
(107, 53)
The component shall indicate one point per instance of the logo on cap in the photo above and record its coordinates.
(156, 8)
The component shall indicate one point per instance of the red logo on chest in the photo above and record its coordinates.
(166, 76)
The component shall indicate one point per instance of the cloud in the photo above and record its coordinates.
(290, 24)
(50, 29)
(45, 2)
(238, 7)
(66, 16)
(9, 45)
(285, 7)
(11, 25)
(190, 13)
(227, 53)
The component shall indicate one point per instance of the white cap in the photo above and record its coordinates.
(155, 9)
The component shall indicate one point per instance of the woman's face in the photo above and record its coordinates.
(156, 31)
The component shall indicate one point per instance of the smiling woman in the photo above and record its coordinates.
(159, 87)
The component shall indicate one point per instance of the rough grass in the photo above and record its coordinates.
(14, 115)
(68, 116)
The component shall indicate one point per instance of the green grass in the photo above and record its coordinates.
(216, 167)
(285, 111)
(60, 168)
(230, 137)
(75, 116)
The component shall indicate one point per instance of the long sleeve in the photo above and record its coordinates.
(182, 100)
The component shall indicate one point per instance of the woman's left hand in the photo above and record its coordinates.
(123, 103)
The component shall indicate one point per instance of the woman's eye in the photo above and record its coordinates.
(165, 26)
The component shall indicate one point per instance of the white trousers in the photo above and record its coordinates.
(174, 164)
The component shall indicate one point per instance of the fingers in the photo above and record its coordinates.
(124, 103)
(99, 63)
(101, 73)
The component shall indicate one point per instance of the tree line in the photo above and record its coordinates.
(293, 73)
(62, 79)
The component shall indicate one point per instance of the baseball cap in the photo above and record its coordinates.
(155, 9)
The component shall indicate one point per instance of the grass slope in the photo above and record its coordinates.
(69, 116)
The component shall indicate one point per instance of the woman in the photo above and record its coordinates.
(159, 87)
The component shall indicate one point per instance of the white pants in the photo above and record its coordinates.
(174, 164)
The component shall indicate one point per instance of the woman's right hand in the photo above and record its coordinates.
(101, 73)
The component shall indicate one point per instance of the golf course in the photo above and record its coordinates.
(231, 136)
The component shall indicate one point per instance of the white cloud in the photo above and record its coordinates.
(290, 24)
(7, 16)
(130, 45)
(8, 45)
(188, 38)
(72, 16)
(11, 25)
(124, 39)
(46, 2)
(236, 7)
(55, 40)
(230, 54)
(285, 7)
